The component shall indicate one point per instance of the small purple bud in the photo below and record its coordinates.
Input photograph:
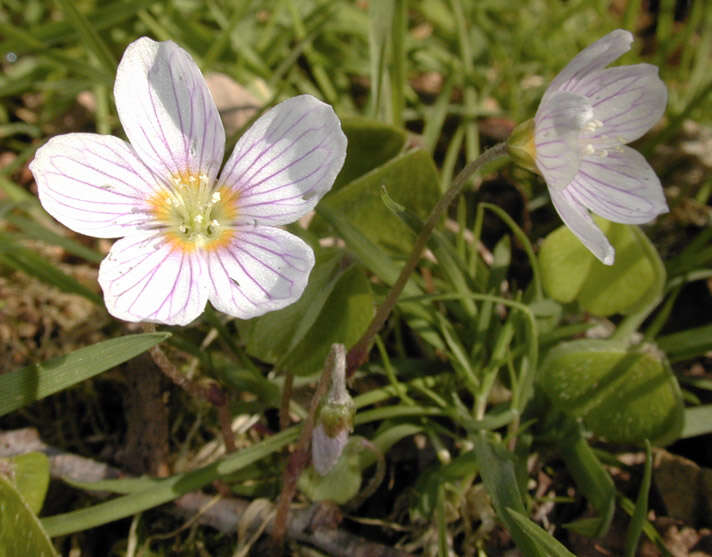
(336, 415)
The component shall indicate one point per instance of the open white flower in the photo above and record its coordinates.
(187, 235)
(587, 115)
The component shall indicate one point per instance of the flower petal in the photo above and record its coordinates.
(621, 187)
(93, 184)
(627, 100)
(286, 161)
(594, 57)
(166, 110)
(576, 217)
(557, 131)
(261, 270)
(144, 278)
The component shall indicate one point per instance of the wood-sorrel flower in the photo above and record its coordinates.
(187, 235)
(587, 115)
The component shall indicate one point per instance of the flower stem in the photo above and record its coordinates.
(210, 391)
(299, 458)
(359, 351)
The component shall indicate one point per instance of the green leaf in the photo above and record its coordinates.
(592, 480)
(343, 481)
(121, 485)
(370, 144)
(545, 542)
(39, 232)
(30, 474)
(698, 421)
(571, 272)
(496, 466)
(20, 531)
(638, 519)
(344, 318)
(381, 18)
(623, 395)
(30, 262)
(24, 386)
(272, 336)
(91, 38)
(167, 489)
(425, 492)
(337, 306)
(687, 344)
(367, 252)
(411, 180)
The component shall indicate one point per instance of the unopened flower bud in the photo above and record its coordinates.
(336, 415)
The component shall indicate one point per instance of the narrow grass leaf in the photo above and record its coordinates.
(34, 230)
(592, 479)
(640, 513)
(381, 13)
(31, 263)
(698, 421)
(91, 38)
(496, 466)
(690, 343)
(546, 544)
(165, 490)
(29, 384)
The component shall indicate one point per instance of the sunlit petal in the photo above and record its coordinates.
(287, 160)
(261, 270)
(93, 184)
(166, 110)
(145, 278)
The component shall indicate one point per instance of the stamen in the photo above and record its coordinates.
(192, 213)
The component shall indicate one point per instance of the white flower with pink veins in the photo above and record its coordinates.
(187, 234)
(582, 125)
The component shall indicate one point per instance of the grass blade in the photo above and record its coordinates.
(28, 384)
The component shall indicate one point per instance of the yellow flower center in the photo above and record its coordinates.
(193, 214)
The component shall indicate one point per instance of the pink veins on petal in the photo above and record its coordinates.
(189, 235)
(582, 125)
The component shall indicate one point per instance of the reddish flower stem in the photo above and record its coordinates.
(358, 354)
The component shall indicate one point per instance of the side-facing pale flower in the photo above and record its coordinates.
(187, 234)
(580, 131)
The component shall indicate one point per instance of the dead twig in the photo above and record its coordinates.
(305, 525)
